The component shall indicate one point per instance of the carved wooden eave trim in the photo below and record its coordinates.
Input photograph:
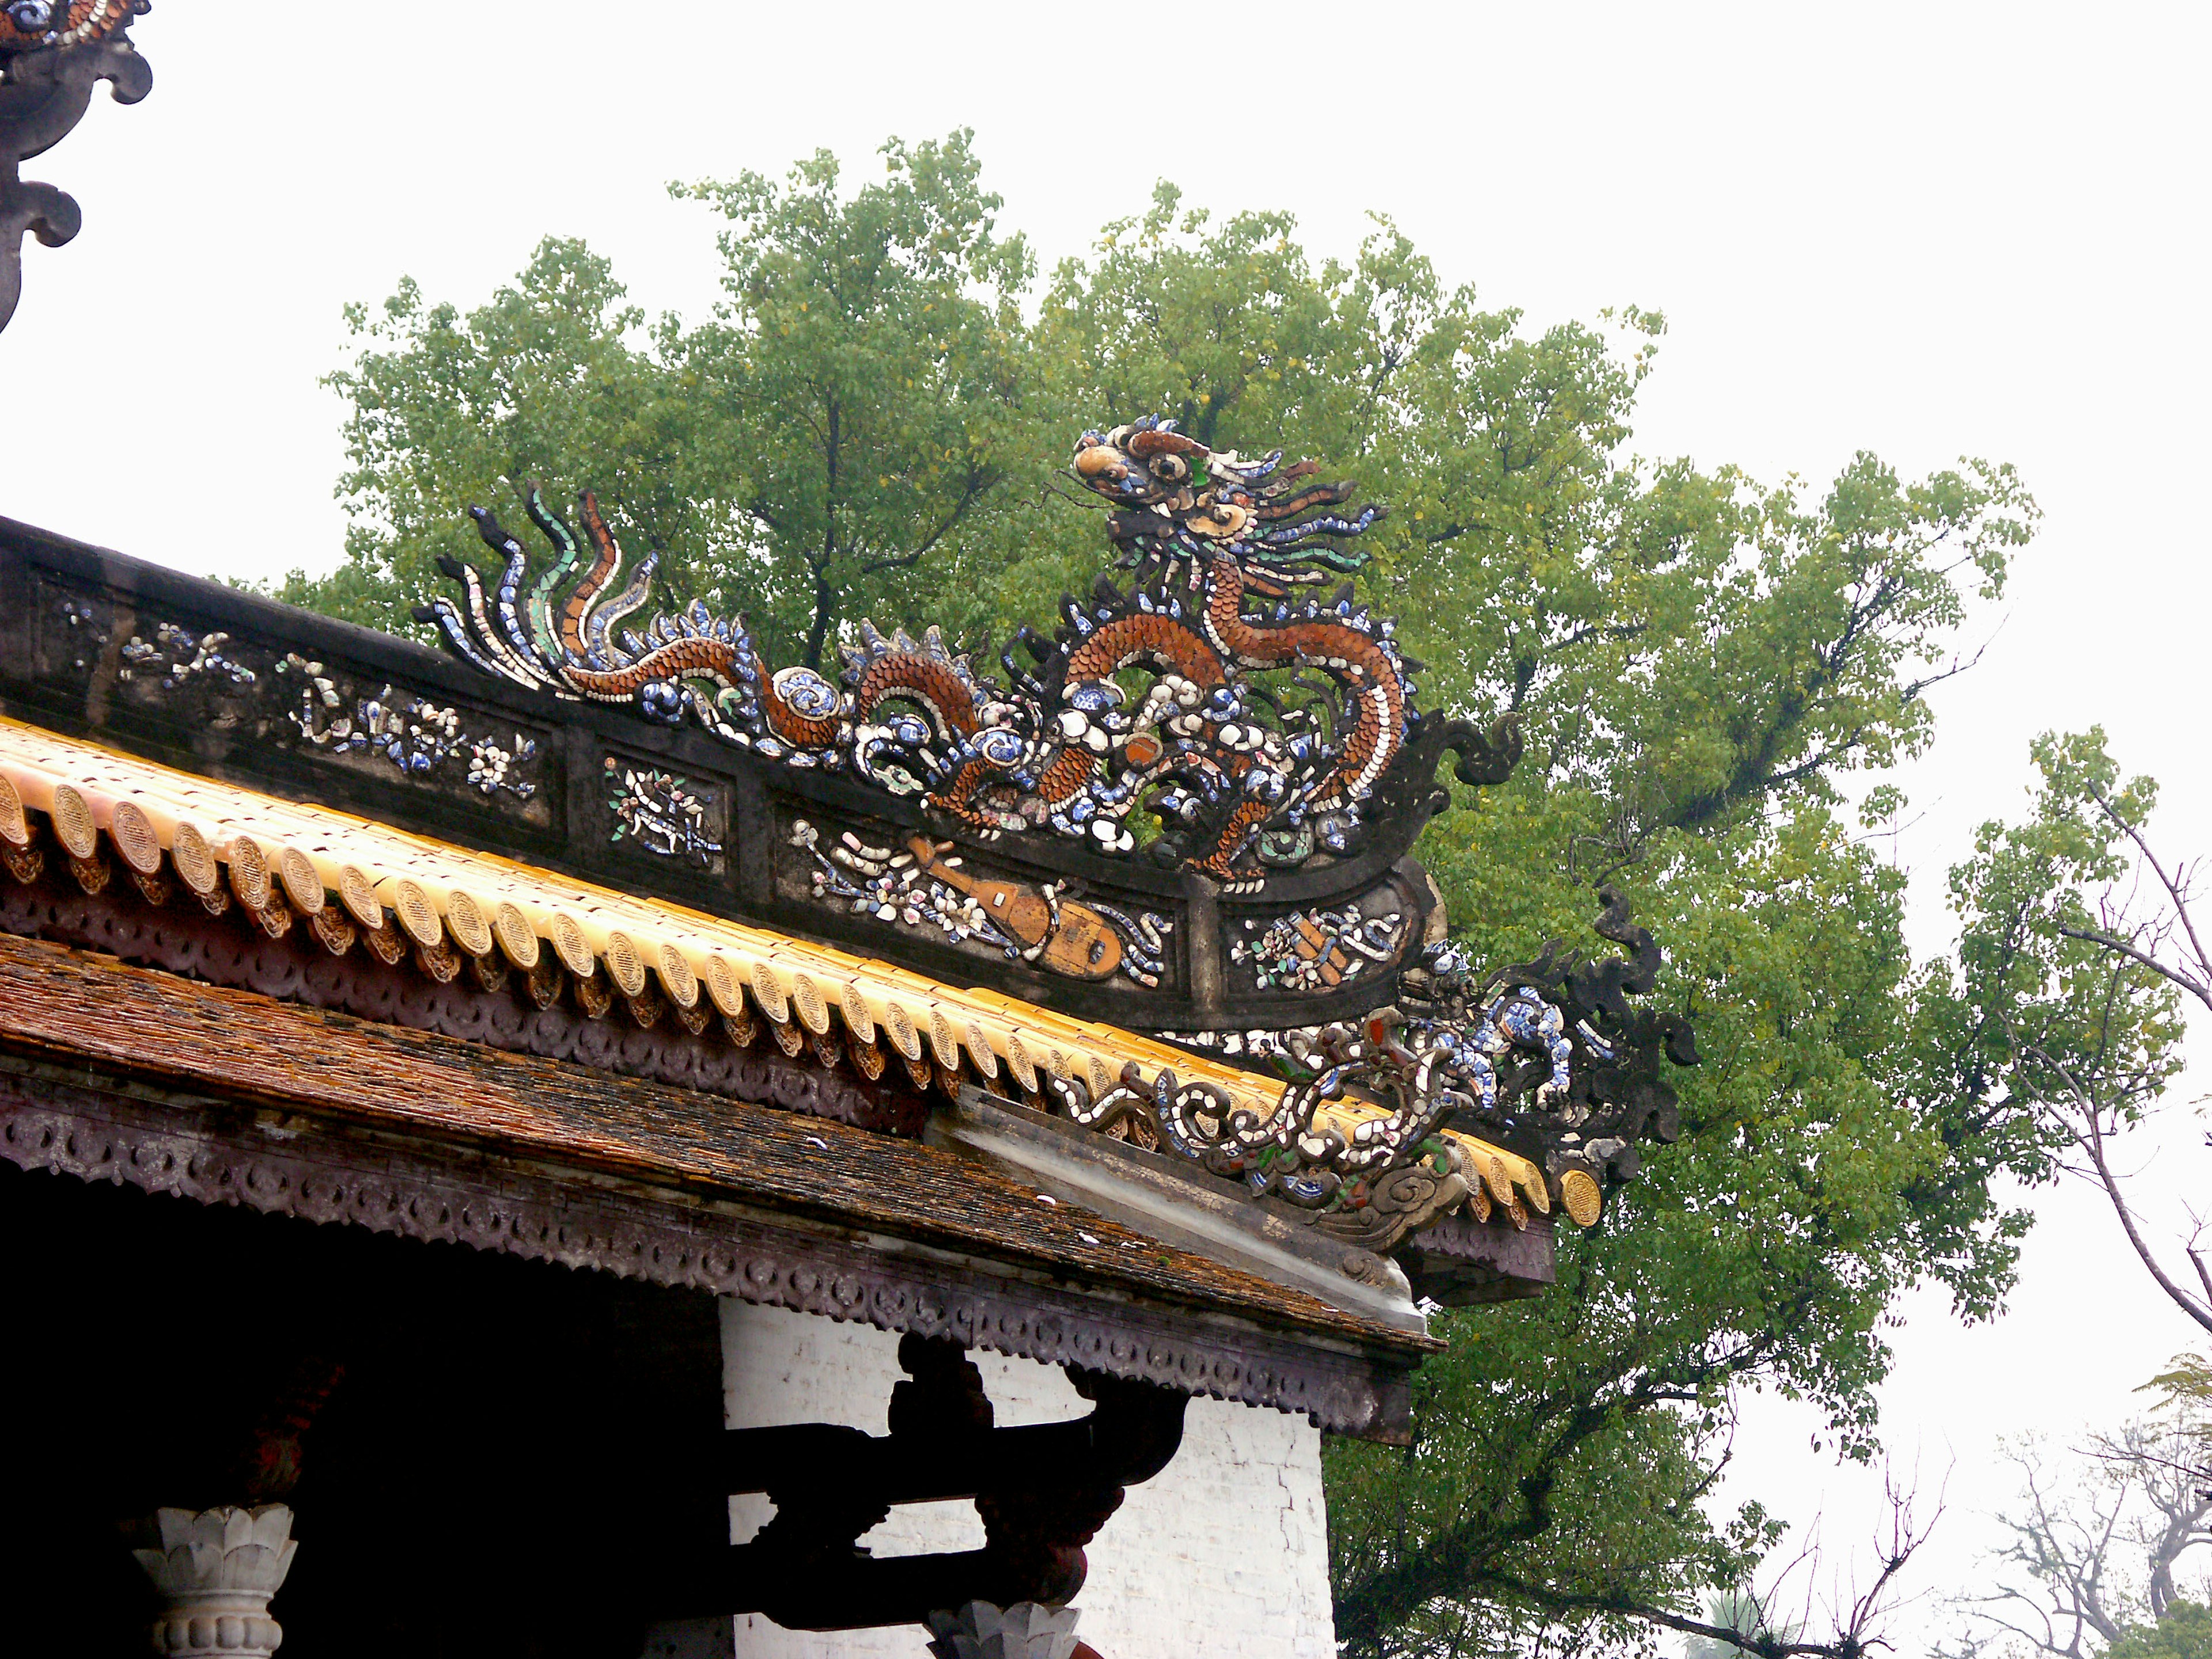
(273, 954)
(285, 1165)
(232, 951)
(315, 1115)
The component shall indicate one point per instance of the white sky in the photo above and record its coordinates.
(1922, 230)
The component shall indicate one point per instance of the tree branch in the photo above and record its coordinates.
(2177, 977)
(2089, 1135)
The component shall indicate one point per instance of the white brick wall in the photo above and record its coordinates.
(1225, 1552)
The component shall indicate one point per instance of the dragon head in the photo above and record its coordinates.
(1177, 498)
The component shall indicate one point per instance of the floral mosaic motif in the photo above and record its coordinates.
(172, 656)
(176, 655)
(922, 884)
(1269, 732)
(660, 812)
(1317, 949)
(417, 735)
(86, 628)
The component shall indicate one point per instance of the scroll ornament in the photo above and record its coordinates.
(1549, 1058)
(53, 53)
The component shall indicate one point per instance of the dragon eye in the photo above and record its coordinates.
(1170, 469)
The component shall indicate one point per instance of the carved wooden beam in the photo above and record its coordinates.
(1131, 1436)
(1042, 1491)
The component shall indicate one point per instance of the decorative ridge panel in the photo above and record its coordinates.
(231, 685)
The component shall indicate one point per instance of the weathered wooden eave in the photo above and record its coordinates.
(126, 1074)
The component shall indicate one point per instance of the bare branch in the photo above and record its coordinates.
(2105, 1557)
(2177, 892)
(1856, 1635)
(2179, 977)
(2088, 1132)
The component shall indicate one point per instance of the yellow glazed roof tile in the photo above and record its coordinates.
(434, 887)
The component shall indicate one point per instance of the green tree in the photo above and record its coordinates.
(2184, 1385)
(868, 370)
(1697, 663)
(551, 380)
(854, 403)
(2185, 1632)
(2080, 955)
(2111, 913)
(1233, 331)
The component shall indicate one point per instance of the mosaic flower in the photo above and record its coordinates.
(660, 812)
(418, 736)
(177, 654)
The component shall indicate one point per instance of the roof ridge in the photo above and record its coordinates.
(487, 903)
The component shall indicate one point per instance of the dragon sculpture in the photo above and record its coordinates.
(1264, 741)
(1224, 556)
